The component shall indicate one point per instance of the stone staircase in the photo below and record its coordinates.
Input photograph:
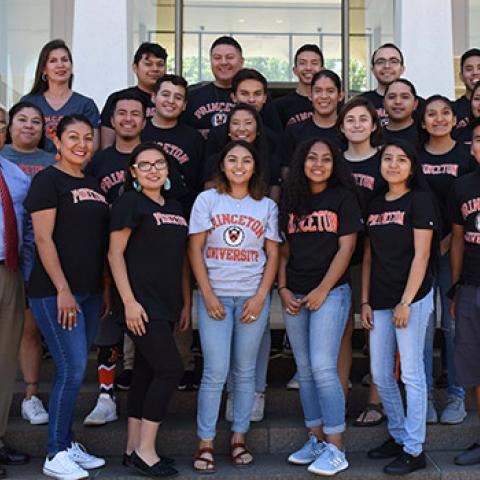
(271, 440)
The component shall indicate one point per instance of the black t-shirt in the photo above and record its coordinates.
(207, 107)
(154, 255)
(390, 228)
(107, 110)
(185, 147)
(313, 238)
(462, 110)
(464, 209)
(293, 108)
(108, 167)
(463, 135)
(297, 133)
(80, 232)
(409, 135)
(377, 101)
(440, 172)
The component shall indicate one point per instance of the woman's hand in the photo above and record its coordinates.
(214, 306)
(290, 303)
(315, 298)
(453, 305)
(136, 317)
(366, 315)
(252, 309)
(401, 315)
(68, 309)
(185, 318)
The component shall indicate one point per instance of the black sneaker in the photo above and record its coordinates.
(405, 463)
(387, 449)
(471, 456)
(188, 382)
(124, 380)
(157, 470)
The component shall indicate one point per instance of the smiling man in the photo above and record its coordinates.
(208, 105)
(149, 64)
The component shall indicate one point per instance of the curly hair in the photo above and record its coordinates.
(296, 193)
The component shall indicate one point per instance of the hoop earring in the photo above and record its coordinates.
(58, 157)
(44, 77)
(137, 187)
(168, 184)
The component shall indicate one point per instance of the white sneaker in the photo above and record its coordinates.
(229, 408)
(79, 455)
(330, 462)
(34, 411)
(258, 407)
(62, 467)
(105, 411)
(292, 384)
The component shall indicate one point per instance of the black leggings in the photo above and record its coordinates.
(157, 370)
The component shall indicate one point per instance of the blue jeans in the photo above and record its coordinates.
(224, 341)
(315, 337)
(69, 350)
(442, 284)
(409, 431)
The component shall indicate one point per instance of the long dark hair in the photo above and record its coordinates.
(424, 135)
(472, 118)
(260, 143)
(142, 147)
(17, 108)
(296, 194)
(256, 185)
(39, 84)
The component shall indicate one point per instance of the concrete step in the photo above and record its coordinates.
(277, 434)
(274, 467)
(278, 400)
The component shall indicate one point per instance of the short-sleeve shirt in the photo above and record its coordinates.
(314, 237)
(390, 227)
(464, 209)
(76, 104)
(207, 107)
(441, 171)
(409, 135)
(80, 232)
(234, 248)
(185, 146)
(462, 109)
(109, 166)
(293, 108)
(155, 253)
(297, 133)
(30, 163)
(145, 97)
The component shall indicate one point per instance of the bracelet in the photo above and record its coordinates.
(404, 302)
(364, 303)
(280, 288)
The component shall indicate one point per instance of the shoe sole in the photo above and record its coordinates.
(94, 423)
(35, 422)
(92, 466)
(300, 462)
(58, 476)
(327, 473)
(455, 422)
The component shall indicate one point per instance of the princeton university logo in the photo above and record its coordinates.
(234, 236)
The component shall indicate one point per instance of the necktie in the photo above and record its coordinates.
(10, 226)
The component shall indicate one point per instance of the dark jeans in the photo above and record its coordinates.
(157, 370)
(69, 350)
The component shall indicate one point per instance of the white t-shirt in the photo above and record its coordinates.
(234, 249)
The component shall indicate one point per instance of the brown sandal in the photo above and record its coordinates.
(236, 458)
(210, 466)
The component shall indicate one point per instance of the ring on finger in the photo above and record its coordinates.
(253, 317)
(71, 314)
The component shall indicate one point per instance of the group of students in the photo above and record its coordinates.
(369, 205)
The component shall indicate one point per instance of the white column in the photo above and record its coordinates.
(99, 48)
(424, 32)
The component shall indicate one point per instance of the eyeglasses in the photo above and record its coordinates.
(382, 62)
(147, 166)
